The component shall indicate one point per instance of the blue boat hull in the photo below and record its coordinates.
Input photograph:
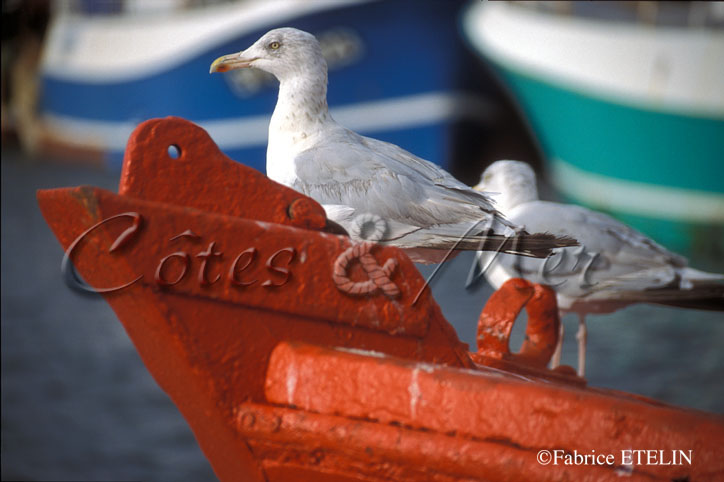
(421, 57)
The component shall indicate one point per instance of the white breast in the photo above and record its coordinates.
(280, 156)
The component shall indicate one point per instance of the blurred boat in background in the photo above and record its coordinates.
(107, 66)
(627, 102)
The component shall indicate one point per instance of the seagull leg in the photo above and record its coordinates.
(581, 336)
(556, 358)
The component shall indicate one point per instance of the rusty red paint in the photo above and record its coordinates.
(305, 213)
(541, 335)
(124, 238)
(206, 257)
(542, 331)
(311, 271)
(224, 351)
(488, 406)
(235, 271)
(202, 177)
(186, 234)
(277, 268)
(497, 318)
(160, 277)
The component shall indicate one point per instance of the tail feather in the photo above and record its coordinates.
(709, 297)
(452, 237)
(706, 304)
(537, 245)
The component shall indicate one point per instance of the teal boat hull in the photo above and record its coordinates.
(630, 117)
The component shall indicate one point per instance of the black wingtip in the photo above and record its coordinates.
(710, 298)
(536, 245)
(710, 304)
(558, 241)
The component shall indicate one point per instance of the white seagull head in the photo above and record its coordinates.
(513, 181)
(283, 52)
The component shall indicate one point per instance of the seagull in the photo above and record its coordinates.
(613, 267)
(427, 212)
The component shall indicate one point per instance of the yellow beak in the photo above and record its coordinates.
(230, 62)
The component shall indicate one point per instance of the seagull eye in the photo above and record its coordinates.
(274, 45)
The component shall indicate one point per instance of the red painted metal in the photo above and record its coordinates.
(202, 177)
(487, 406)
(229, 287)
(541, 335)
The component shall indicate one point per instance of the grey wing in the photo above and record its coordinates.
(613, 258)
(400, 160)
(371, 176)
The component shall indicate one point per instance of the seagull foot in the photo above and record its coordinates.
(582, 336)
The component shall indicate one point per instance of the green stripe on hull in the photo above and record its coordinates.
(621, 141)
(698, 241)
(644, 199)
(685, 221)
(616, 146)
